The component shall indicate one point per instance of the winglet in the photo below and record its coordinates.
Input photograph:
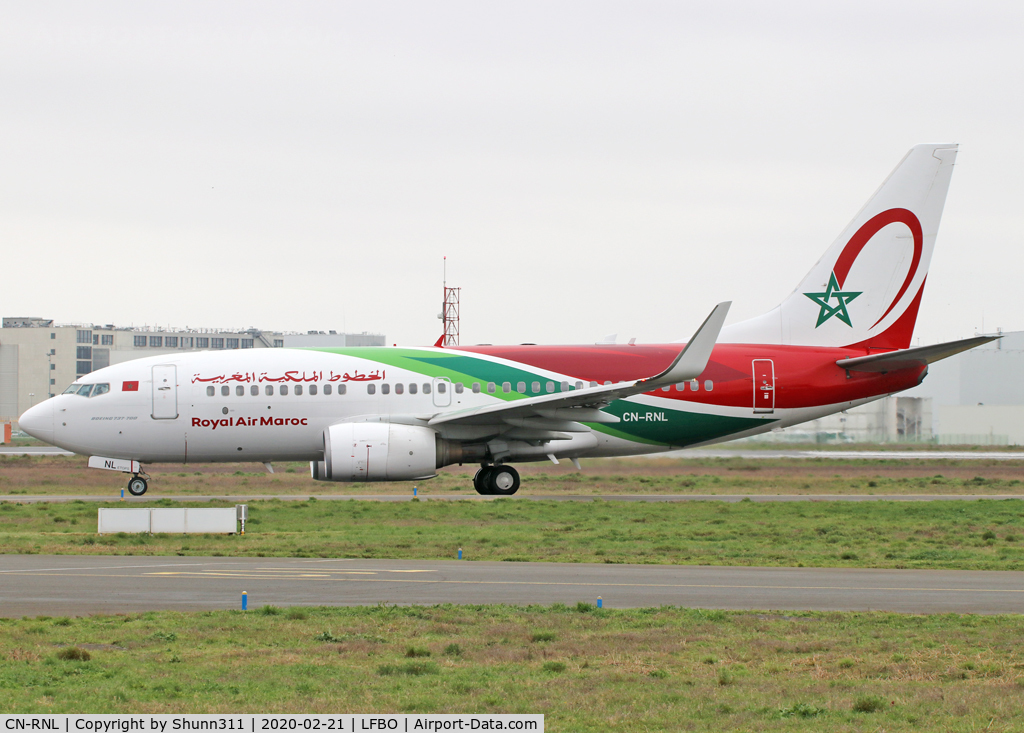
(693, 359)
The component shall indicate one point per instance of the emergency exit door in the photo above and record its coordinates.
(442, 392)
(764, 386)
(165, 392)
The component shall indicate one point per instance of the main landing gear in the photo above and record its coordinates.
(499, 480)
(137, 485)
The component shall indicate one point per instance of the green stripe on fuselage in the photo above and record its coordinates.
(455, 367)
(661, 426)
(640, 423)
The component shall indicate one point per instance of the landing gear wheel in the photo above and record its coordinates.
(503, 481)
(137, 486)
(481, 481)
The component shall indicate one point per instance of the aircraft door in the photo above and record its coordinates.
(442, 392)
(165, 392)
(764, 386)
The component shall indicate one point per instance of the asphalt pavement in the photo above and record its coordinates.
(33, 450)
(68, 585)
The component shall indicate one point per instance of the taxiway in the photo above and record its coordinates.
(67, 585)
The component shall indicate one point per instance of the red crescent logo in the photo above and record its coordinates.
(870, 228)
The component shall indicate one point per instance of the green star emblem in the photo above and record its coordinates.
(839, 309)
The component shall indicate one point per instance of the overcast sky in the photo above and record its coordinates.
(588, 168)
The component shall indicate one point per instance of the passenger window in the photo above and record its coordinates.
(666, 389)
(593, 384)
(312, 389)
(100, 389)
(225, 391)
(254, 390)
(210, 391)
(269, 390)
(385, 388)
(413, 388)
(426, 388)
(490, 387)
(240, 391)
(565, 386)
(371, 389)
(681, 387)
(298, 389)
(399, 388)
(709, 385)
(550, 386)
(579, 385)
(283, 390)
(476, 387)
(458, 388)
(535, 387)
(694, 386)
(506, 387)
(328, 389)
(342, 388)
(442, 387)
(521, 388)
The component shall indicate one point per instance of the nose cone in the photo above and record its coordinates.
(38, 421)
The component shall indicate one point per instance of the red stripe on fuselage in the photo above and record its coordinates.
(805, 376)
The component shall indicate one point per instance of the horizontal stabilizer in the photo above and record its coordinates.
(908, 358)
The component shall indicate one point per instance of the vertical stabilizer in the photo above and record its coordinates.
(866, 289)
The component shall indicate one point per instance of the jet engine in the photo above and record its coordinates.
(377, 451)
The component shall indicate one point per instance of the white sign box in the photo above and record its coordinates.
(124, 520)
(169, 521)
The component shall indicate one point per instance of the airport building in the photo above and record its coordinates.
(39, 358)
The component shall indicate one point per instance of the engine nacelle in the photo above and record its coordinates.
(378, 452)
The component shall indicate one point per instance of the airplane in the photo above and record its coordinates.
(840, 339)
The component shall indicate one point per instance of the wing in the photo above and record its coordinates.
(565, 410)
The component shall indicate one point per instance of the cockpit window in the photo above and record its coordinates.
(87, 390)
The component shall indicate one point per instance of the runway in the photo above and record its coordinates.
(66, 585)
(33, 450)
(653, 498)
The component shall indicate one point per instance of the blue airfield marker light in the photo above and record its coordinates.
(599, 602)
(122, 493)
(414, 491)
(245, 600)
(460, 553)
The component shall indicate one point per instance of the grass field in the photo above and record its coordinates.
(982, 535)
(586, 669)
(28, 475)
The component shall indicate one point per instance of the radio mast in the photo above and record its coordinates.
(450, 311)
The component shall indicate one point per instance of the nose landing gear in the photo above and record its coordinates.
(139, 481)
(137, 485)
(496, 480)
